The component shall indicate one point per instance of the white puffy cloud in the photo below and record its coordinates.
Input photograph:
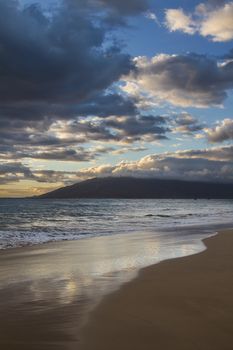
(222, 131)
(218, 24)
(213, 20)
(176, 19)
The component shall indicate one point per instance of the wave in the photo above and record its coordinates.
(24, 222)
(175, 216)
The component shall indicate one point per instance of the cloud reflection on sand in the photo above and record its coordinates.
(87, 269)
(53, 288)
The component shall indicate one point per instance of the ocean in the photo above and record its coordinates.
(28, 222)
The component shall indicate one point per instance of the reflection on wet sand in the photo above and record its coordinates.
(47, 291)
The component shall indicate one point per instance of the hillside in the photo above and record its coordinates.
(129, 187)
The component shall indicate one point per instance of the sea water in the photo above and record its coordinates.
(28, 222)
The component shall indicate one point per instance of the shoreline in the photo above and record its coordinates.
(44, 312)
(213, 230)
(183, 303)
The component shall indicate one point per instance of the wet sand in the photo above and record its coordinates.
(47, 291)
(183, 304)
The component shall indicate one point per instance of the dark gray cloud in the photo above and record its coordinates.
(185, 80)
(20, 133)
(58, 91)
(229, 55)
(59, 65)
(105, 105)
(127, 129)
(14, 171)
(111, 13)
(68, 140)
(128, 8)
(62, 140)
(98, 105)
(216, 153)
(50, 64)
(77, 155)
(124, 150)
(12, 167)
(137, 127)
(186, 123)
(215, 3)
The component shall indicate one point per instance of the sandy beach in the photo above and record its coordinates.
(184, 303)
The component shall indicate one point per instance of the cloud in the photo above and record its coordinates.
(218, 24)
(63, 140)
(186, 123)
(215, 3)
(123, 150)
(14, 171)
(209, 165)
(229, 55)
(189, 80)
(152, 16)
(127, 129)
(214, 153)
(99, 104)
(131, 129)
(51, 64)
(60, 154)
(222, 131)
(69, 140)
(176, 19)
(128, 8)
(213, 19)
(61, 65)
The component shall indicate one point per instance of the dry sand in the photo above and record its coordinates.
(183, 304)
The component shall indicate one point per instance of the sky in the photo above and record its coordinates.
(94, 88)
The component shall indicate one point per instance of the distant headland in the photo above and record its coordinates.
(132, 187)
